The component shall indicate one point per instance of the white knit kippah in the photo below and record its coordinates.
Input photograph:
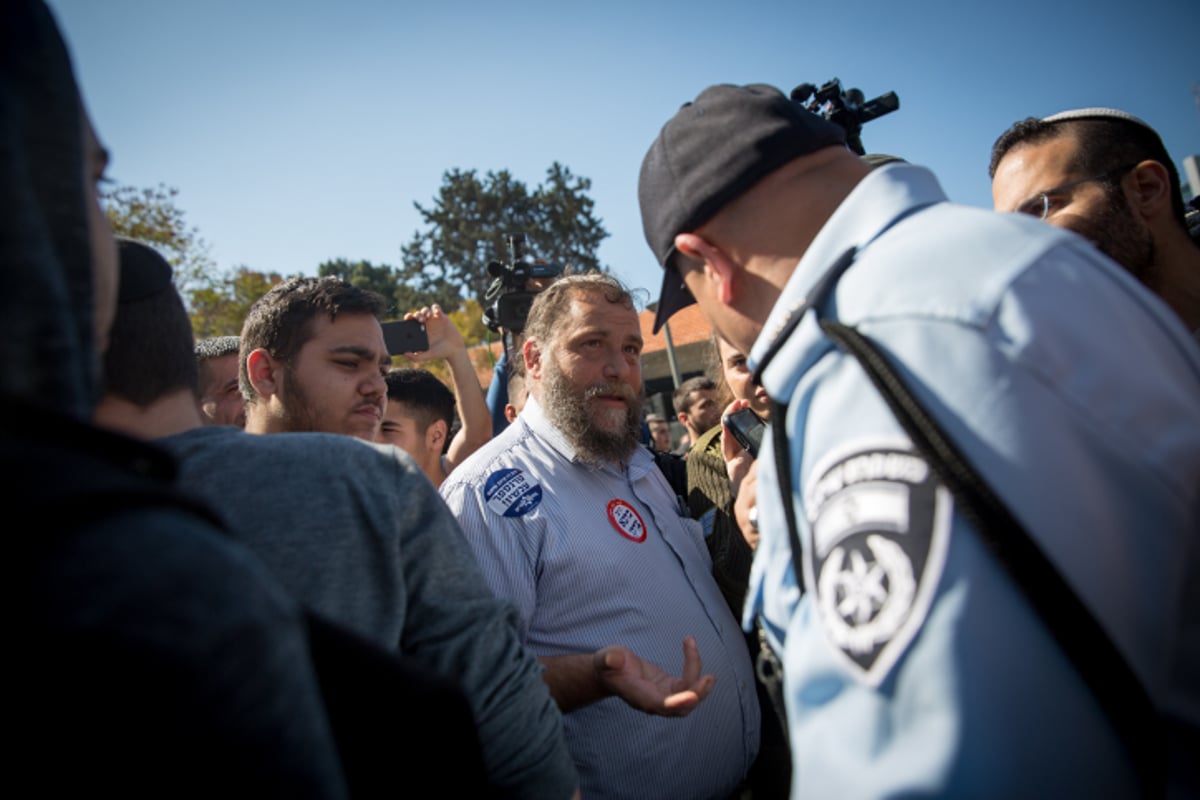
(1097, 113)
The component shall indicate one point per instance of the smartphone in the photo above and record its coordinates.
(405, 336)
(747, 428)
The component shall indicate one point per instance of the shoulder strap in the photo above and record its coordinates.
(1075, 628)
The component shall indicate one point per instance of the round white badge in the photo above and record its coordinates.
(626, 520)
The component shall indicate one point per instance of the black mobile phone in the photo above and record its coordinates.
(747, 427)
(405, 336)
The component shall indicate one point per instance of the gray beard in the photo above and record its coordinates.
(572, 413)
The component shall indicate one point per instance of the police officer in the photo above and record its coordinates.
(915, 660)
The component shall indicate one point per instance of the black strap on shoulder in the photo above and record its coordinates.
(1098, 660)
(783, 475)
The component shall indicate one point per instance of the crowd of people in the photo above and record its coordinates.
(965, 560)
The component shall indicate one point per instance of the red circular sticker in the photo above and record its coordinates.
(626, 520)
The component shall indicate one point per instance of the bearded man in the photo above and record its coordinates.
(572, 521)
(1105, 174)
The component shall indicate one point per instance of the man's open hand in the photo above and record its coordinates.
(646, 687)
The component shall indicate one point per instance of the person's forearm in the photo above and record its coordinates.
(476, 419)
(573, 681)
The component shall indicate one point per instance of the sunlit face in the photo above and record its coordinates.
(741, 380)
(399, 428)
(704, 412)
(591, 378)
(221, 399)
(105, 272)
(336, 382)
(1094, 209)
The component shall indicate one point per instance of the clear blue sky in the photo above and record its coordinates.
(299, 131)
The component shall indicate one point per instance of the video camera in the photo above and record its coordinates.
(848, 108)
(509, 297)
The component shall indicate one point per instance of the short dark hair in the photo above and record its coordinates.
(216, 347)
(426, 399)
(280, 321)
(714, 367)
(682, 400)
(150, 349)
(549, 306)
(1105, 143)
(209, 348)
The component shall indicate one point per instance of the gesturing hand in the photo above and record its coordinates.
(646, 687)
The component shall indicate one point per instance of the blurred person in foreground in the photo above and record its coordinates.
(150, 656)
(914, 661)
(572, 521)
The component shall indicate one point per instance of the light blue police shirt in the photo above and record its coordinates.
(593, 555)
(912, 663)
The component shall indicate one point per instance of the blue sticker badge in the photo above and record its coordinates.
(509, 492)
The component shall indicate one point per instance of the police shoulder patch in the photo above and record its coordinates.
(880, 521)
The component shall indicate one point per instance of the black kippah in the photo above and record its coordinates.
(144, 272)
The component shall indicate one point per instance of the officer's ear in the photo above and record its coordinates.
(705, 268)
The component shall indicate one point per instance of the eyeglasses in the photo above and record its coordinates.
(1041, 204)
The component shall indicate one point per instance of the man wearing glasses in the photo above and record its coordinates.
(1105, 174)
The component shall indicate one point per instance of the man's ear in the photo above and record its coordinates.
(716, 270)
(435, 436)
(263, 372)
(1151, 189)
(683, 418)
(532, 351)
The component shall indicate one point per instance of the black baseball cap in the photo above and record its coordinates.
(711, 152)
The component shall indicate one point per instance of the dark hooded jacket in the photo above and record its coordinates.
(146, 655)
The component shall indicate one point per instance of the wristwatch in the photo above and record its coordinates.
(752, 514)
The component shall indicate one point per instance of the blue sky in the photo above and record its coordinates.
(299, 131)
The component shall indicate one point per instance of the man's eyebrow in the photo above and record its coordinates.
(355, 350)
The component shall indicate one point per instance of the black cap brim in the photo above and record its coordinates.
(673, 297)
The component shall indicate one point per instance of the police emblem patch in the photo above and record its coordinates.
(880, 521)
(510, 493)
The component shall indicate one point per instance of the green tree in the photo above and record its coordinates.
(151, 215)
(219, 309)
(468, 220)
(379, 278)
(468, 318)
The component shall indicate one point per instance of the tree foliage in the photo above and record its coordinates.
(468, 220)
(151, 216)
(219, 309)
(380, 278)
